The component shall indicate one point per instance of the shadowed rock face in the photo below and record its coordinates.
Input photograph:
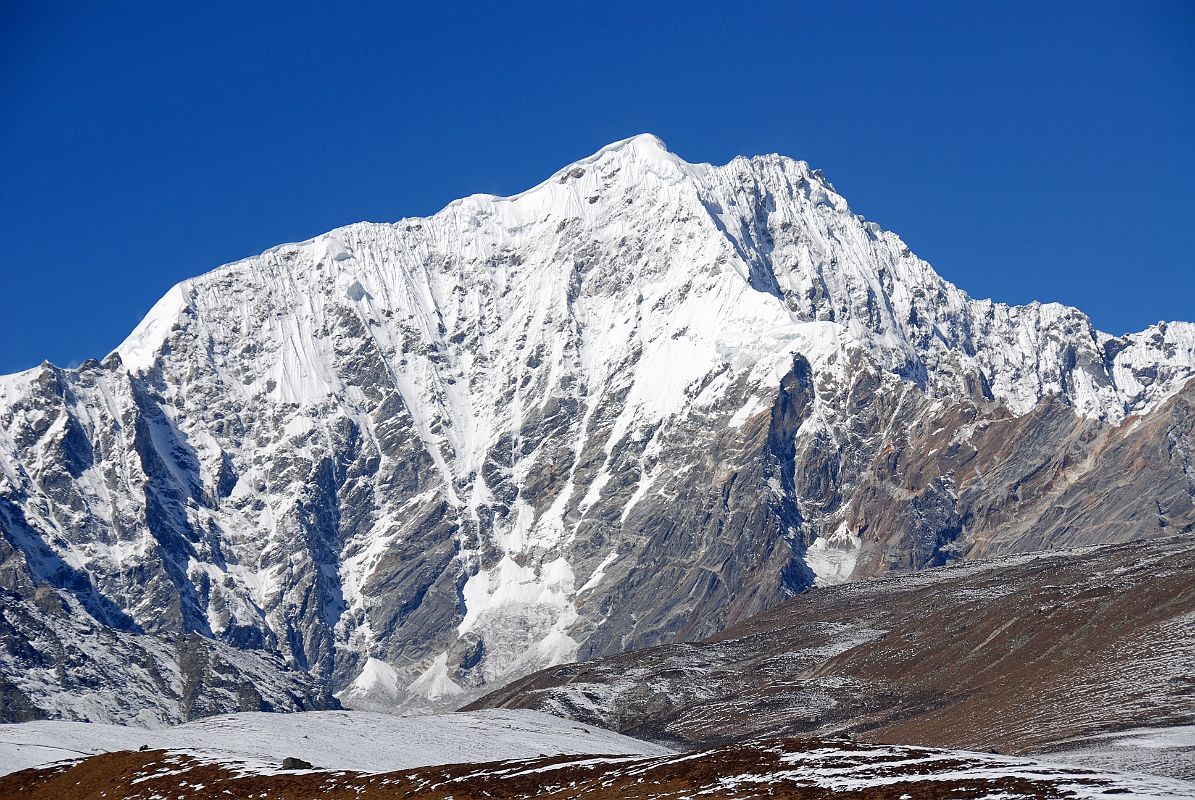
(637, 404)
(102, 672)
(974, 481)
(1017, 654)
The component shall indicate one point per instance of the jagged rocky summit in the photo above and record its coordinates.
(400, 464)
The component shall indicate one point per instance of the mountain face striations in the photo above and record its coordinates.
(400, 464)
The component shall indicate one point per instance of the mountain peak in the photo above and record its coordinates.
(645, 149)
(642, 144)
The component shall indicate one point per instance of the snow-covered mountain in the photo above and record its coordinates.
(634, 404)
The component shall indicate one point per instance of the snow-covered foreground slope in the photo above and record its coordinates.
(403, 463)
(335, 740)
(806, 769)
(1166, 751)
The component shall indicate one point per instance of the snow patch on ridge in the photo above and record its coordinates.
(523, 614)
(377, 686)
(139, 350)
(832, 558)
(510, 584)
(434, 683)
(599, 573)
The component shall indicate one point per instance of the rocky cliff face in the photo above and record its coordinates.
(635, 404)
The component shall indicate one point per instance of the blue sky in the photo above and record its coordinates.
(1027, 150)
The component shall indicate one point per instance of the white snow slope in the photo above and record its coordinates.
(1158, 751)
(342, 740)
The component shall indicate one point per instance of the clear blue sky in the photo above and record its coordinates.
(1028, 150)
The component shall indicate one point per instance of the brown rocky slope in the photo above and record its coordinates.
(1015, 654)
